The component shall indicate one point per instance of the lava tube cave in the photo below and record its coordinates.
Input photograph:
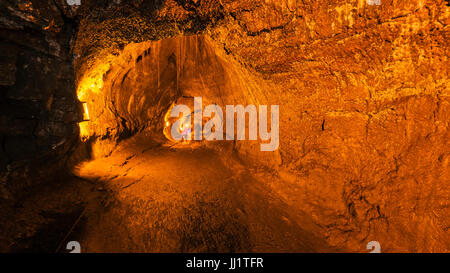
(224, 126)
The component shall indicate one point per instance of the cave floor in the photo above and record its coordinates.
(151, 197)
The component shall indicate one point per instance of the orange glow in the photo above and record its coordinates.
(86, 112)
(92, 82)
(84, 130)
(167, 127)
(90, 86)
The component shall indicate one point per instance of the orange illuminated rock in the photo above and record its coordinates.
(363, 91)
(364, 108)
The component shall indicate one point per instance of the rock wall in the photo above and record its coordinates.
(133, 92)
(362, 89)
(38, 106)
(363, 95)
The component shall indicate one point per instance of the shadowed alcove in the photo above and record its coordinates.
(362, 90)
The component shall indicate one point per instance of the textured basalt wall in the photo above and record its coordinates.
(363, 95)
(38, 107)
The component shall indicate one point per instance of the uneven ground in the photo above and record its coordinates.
(153, 197)
(178, 198)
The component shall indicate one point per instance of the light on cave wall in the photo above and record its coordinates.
(84, 124)
(184, 127)
(87, 90)
(85, 111)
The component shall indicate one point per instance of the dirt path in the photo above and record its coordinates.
(178, 199)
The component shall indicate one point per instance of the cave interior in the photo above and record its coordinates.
(362, 139)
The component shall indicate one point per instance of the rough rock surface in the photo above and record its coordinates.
(38, 107)
(363, 93)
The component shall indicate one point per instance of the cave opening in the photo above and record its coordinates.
(134, 92)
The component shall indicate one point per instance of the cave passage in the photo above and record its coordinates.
(361, 158)
(167, 196)
(176, 198)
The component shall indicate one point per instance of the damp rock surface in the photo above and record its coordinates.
(39, 110)
(362, 89)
